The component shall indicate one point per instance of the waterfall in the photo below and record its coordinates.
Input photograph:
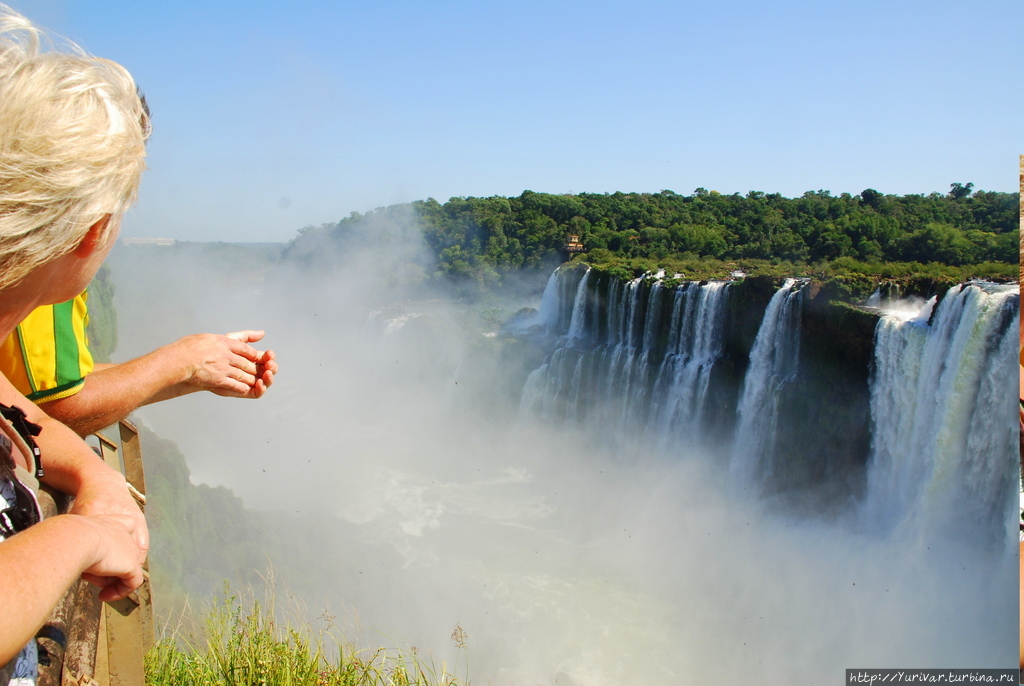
(652, 319)
(547, 313)
(944, 451)
(916, 426)
(556, 306)
(773, 363)
(616, 367)
(694, 345)
(579, 309)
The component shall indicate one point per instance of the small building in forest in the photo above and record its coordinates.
(573, 245)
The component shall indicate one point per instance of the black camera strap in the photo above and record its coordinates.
(27, 430)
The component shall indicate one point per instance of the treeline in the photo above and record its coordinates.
(483, 238)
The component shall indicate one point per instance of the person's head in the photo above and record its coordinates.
(73, 130)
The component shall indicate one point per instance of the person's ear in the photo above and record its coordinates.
(94, 238)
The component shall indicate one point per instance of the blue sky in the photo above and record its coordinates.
(273, 116)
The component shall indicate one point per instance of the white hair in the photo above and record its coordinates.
(73, 130)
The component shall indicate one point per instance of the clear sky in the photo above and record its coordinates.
(273, 116)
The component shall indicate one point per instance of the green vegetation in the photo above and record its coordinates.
(485, 239)
(243, 644)
(200, 535)
(102, 316)
(904, 273)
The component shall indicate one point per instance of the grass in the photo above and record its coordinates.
(241, 644)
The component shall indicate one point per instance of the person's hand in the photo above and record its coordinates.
(115, 567)
(104, 491)
(227, 365)
(266, 365)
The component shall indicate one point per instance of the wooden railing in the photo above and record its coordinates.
(126, 626)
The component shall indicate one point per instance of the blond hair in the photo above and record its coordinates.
(73, 130)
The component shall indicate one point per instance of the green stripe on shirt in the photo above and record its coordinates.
(68, 369)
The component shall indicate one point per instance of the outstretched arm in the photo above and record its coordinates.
(41, 563)
(226, 365)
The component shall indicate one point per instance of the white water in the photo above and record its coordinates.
(945, 440)
(553, 316)
(695, 344)
(773, 362)
(549, 304)
(613, 383)
(578, 318)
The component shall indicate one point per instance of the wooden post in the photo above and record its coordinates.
(127, 625)
(131, 451)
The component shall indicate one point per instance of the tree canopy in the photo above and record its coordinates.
(485, 238)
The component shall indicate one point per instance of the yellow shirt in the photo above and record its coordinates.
(47, 357)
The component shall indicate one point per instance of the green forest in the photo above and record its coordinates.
(484, 239)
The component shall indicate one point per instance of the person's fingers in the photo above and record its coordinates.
(271, 366)
(115, 591)
(102, 582)
(234, 367)
(258, 389)
(117, 568)
(242, 375)
(136, 526)
(248, 366)
(113, 587)
(96, 580)
(246, 336)
(234, 387)
(245, 351)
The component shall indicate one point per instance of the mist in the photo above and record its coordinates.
(565, 555)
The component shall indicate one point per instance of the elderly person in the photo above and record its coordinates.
(72, 142)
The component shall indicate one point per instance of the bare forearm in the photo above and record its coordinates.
(226, 365)
(112, 392)
(39, 565)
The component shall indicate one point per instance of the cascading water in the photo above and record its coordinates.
(695, 343)
(945, 445)
(615, 366)
(556, 304)
(636, 359)
(579, 309)
(773, 364)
